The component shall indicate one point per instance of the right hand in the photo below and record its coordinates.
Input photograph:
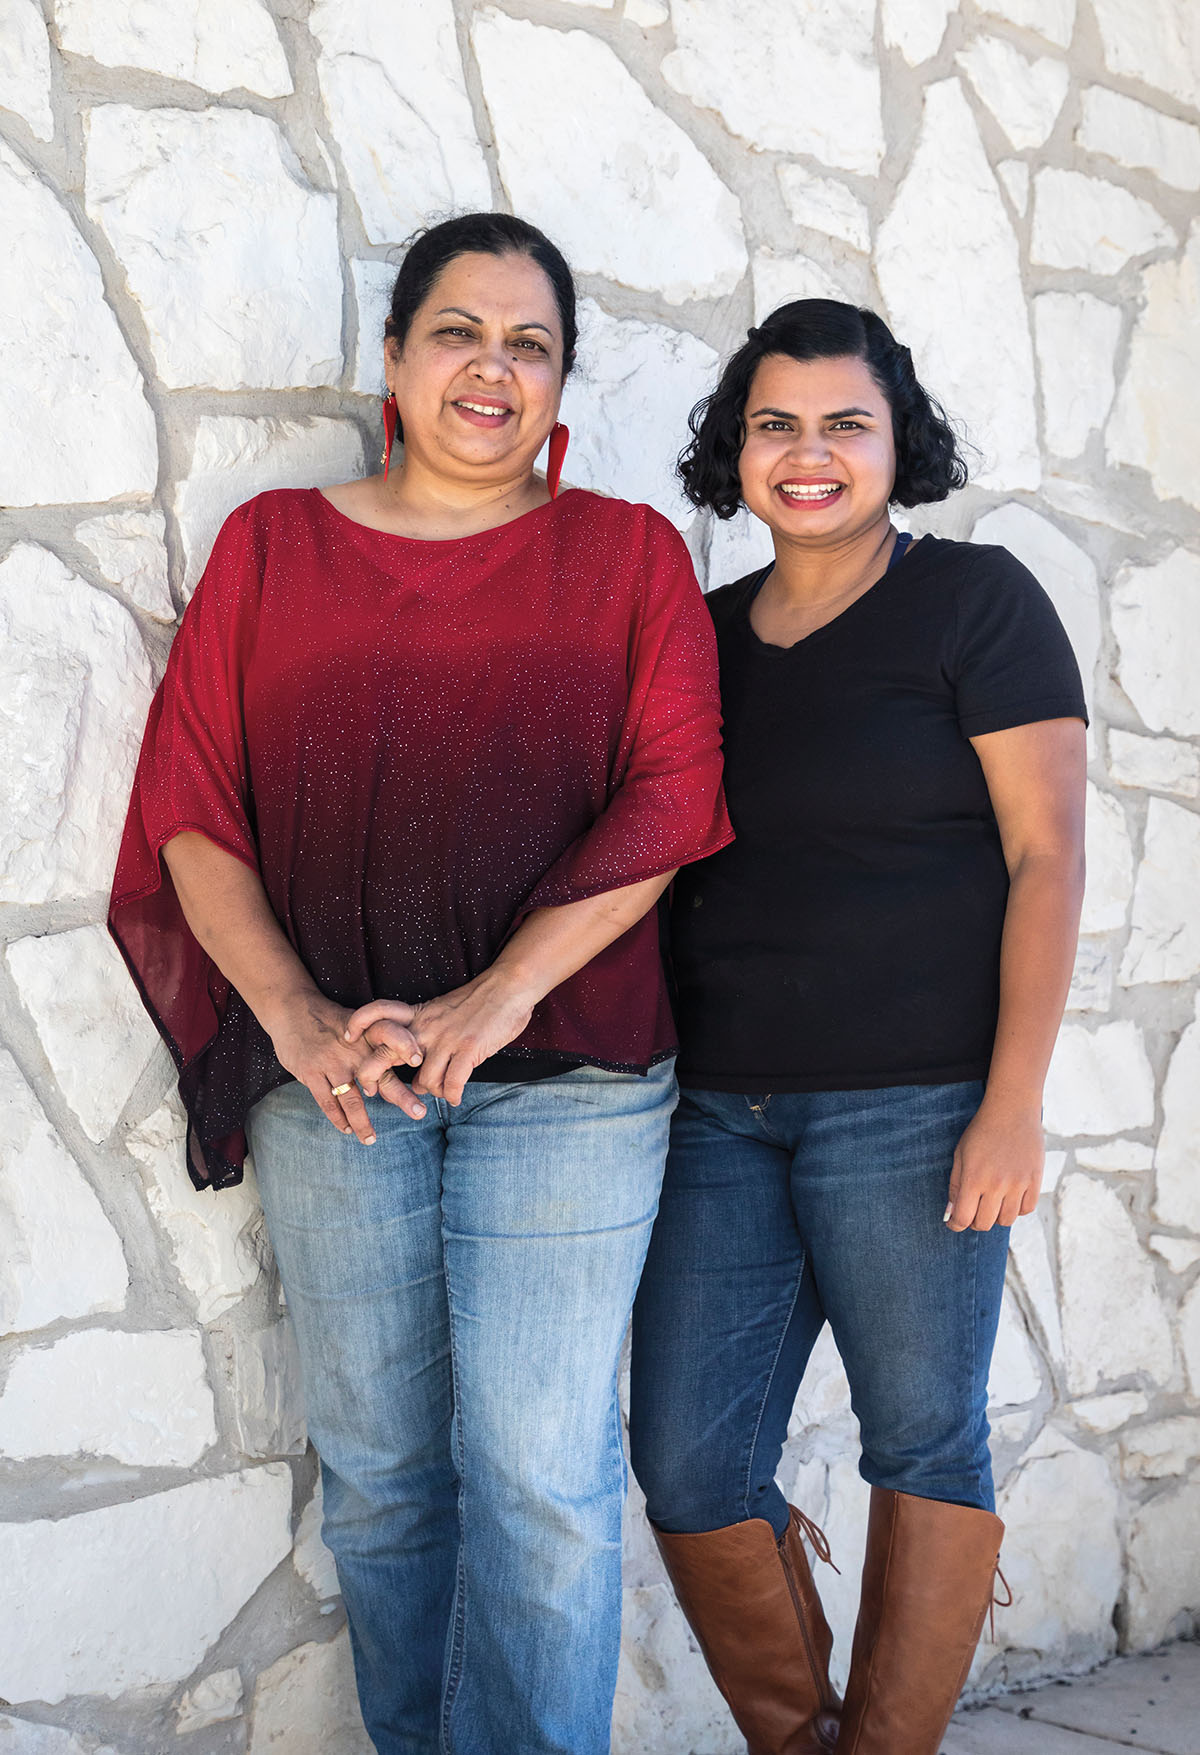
(310, 1042)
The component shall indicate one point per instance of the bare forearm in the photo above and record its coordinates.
(1041, 926)
(553, 943)
(226, 906)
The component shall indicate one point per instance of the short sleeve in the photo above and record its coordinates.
(1012, 663)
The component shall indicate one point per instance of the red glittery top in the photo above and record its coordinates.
(415, 743)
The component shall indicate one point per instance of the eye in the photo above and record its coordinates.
(775, 426)
(848, 426)
(528, 341)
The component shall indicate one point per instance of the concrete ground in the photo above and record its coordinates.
(1150, 1703)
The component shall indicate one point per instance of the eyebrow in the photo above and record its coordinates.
(457, 311)
(837, 414)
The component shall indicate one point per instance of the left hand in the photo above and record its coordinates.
(998, 1163)
(457, 1032)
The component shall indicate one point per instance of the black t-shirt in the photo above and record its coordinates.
(850, 937)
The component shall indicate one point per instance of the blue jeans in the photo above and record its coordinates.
(460, 1292)
(778, 1214)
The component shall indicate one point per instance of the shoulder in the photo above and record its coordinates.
(725, 602)
(969, 566)
(627, 519)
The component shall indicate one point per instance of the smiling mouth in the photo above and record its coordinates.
(810, 493)
(491, 413)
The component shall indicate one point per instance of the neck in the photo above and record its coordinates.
(808, 574)
(421, 497)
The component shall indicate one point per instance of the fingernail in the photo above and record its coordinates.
(414, 1060)
(947, 1213)
(420, 1112)
(370, 1140)
(345, 1035)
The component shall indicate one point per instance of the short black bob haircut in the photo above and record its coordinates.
(929, 459)
(484, 234)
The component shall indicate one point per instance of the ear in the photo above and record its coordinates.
(392, 352)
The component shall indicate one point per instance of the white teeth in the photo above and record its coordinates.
(817, 492)
(481, 408)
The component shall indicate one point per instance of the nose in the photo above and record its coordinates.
(809, 449)
(491, 364)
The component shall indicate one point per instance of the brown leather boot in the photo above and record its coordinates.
(753, 1606)
(927, 1584)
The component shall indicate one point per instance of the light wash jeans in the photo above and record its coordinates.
(460, 1291)
(780, 1213)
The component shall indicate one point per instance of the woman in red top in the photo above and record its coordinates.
(428, 750)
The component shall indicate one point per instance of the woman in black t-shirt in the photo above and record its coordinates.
(870, 981)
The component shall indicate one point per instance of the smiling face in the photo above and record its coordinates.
(479, 377)
(819, 460)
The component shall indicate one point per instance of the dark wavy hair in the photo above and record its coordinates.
(486, 234)
(929, 455)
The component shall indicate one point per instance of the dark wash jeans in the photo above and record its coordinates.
(779, 1213)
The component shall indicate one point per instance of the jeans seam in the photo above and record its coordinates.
(455, 1656)
(767, 1386)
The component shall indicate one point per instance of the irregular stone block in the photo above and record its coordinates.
(627, 405)
(25, 67)
(1114, 1324)
(648, 13)
(373, 283)
(93, 1602)
(1109, 863)
(1165, 1447)
(1189, 1336)
(780, 279)
(1179, 1253)
(1052, 19)
(1085, 222)
(132, 555)
(141, 1398)
(1024, 96)
(1177, 1151)
(750, 77)
(218, 1244)
(1157, 764)
(1123, 1157)
(61, 1258)
(915, 27)
(1076, 343)
(823, 205)
(1029, 1257)
(1016, 1376)
(311, 1557)
(1092, 977)
(1105, 1413)
(93, 1027)
(268, 1397)
(1164, 940)
(656, 216)
(1156, 422)
(1156, 620)
(945, 251)
(1130, 133)
(392, 81)
(76, 684)
(102, 440)
(306, 1704)
(736, 546)
(218, 44)
(234, 458)
(212, 1701)
(232, 257)
(1062, 1559)
(1157, 41)
(1100, 1081)
(1162, 1581)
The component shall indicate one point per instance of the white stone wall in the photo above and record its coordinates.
(201, 202)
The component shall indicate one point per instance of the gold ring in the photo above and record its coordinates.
(340, 1090)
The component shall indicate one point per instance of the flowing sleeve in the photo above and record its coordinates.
(666, 804)
(192, 775)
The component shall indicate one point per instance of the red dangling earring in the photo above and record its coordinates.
(391, 416)
(559, 438)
